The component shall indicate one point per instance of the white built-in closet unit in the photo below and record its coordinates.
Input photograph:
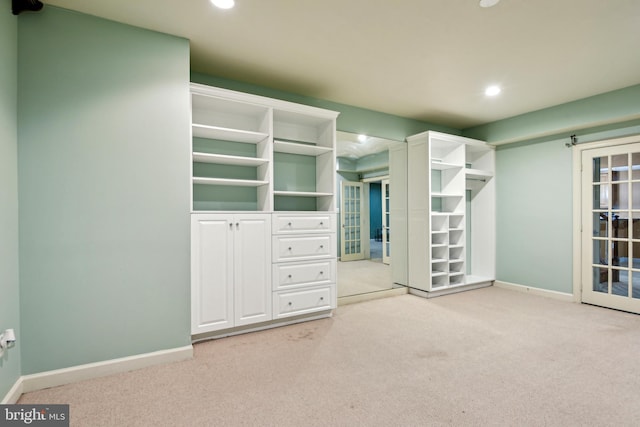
(451, 204)
(263, 219)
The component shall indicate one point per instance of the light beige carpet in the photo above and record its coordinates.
(490, 357)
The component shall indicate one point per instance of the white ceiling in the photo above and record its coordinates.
(423, 59)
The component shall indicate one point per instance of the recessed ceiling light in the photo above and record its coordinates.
(492, 90)
(362, 138)
(488, 3)
(223, 4)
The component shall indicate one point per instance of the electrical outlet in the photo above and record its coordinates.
(7, 340)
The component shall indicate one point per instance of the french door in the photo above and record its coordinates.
(351, 220)
(610, 181)
(386, 230)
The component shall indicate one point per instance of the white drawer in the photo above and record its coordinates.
(303, 223)
(298, 248)
(297, 274)
(294, 303)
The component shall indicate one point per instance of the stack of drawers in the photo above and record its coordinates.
(304, 263)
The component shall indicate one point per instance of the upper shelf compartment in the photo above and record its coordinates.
(222, 119)
(294, 127)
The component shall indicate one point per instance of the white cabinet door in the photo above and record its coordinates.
(211, 273)
(252, 268)
(231, 270)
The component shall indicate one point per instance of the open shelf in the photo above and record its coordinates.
(223, 159)
(444, 166)
(298, 148)
(227, 134)
(301, 194)
(478, 174)
(229, 182)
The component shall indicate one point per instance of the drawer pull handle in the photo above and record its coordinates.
(290, 303)
(321, 298)
(289, 224)
(321, 246)
(289, 247)
(322, 272)
(289, 276)
(321, 223)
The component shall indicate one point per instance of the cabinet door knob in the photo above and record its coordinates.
(290, 303)
(321, 298)
(289, 247)
(289, 224)
(289, 276)
(321, 246)
(230, 226)
(321, 223)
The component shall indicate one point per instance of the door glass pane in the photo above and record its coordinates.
(600, 169)
(635, 195)
(620, 167)
(635, 165)
(601, 252)
(620, 282)
(600, 224)
(620, 253)
(601, 196)
(635, 261)
(620, 195)
(620, 225)
(635, 284)
(635, 225)
(600, 279)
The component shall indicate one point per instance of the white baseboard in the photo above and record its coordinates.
(562, 296)
(14, 393)
(73, 374)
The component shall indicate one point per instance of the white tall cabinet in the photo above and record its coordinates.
(231, 271)
(451, 204)
(263, 226)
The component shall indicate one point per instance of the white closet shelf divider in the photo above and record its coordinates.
(227, 134)
(229, 182)
(444, 166)
(297, 148)
(301, 194)
(223, 159)
(478, 174)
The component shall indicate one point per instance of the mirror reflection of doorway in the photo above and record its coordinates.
(364, 249)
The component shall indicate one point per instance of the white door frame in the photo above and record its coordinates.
(577, 205)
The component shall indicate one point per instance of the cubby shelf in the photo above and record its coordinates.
(227, 134)
(222, 159)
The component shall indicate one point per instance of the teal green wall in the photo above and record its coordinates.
(534, 215)
(103, 193)
(534, 182)
(9, 289)
(351, 119)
